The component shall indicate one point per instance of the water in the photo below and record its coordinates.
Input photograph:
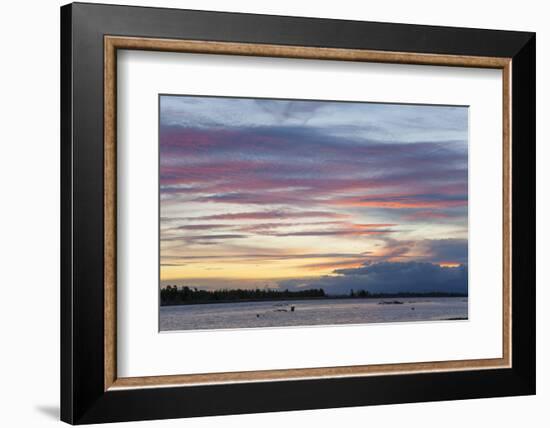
(310, 312)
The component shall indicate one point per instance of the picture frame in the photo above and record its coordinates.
(91, 390)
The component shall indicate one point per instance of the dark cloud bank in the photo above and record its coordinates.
(390, 277)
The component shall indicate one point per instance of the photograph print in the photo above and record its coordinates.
(282, 213)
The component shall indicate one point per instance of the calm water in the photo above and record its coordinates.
(310, 312)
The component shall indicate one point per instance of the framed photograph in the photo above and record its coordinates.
(266, 213)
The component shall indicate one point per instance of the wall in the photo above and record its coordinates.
(29, 243)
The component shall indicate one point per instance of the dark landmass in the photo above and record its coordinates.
(173, 295)
(392, 302)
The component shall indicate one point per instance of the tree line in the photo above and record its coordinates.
(173, 295)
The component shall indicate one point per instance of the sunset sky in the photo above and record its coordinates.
(303, 194)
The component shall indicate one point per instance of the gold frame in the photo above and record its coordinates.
(113, 43)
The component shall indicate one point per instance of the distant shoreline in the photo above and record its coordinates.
(326, 297)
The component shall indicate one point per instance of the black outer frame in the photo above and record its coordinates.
(83, 399)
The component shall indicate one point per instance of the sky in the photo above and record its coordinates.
(313, 194)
